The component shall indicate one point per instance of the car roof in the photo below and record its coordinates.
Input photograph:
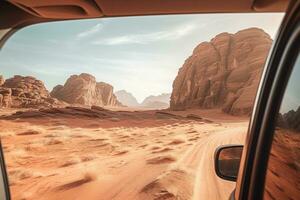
(20, 13)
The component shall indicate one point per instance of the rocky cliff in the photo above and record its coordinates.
(223, 73)
(126, 98)
(24, 91)
(85, 90)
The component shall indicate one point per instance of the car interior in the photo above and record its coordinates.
(160, 99)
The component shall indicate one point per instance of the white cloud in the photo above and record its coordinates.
(91, 31)
(146, 38)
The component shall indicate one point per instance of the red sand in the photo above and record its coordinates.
(84, 158)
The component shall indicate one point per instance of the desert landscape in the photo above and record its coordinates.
(75, 153)
(82, 140)
(280, 167)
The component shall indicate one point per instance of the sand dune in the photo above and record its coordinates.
(101, 154)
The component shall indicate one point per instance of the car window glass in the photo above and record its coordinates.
(283, 173)
(129, 107)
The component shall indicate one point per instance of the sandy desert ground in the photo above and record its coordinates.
(283, 178)
(80, 154)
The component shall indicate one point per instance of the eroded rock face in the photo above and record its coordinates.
(25, 91)
(5, 97)
(1, 80)
(223, 73)
(5, 94)
(83, 89)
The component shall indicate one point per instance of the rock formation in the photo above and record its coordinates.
(160, 101)
(126, 98)
(5, 97)
(1, 80)
(290, 120)
(25, 91)
(5, 94)
(223, 73)
(84, 90)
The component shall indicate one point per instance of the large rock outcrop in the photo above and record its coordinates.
(84, 90)
(223, 73)
(25, 91)
(126, 98)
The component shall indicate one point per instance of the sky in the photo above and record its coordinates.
(139, 54)
(291, 98)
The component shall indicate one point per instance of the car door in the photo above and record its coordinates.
(4, 187)
(270, 162)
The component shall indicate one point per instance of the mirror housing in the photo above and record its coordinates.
(227, 161)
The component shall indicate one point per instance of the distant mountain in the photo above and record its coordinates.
(126, 98)
(155, 105)
(156, 102)
(165, 98)
(159, 101)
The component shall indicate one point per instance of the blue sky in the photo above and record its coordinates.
(139, 54)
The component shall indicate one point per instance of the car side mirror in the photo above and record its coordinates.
(227, 161)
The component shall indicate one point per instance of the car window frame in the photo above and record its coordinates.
(4, 183)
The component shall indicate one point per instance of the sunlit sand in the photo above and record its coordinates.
(124, 155)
